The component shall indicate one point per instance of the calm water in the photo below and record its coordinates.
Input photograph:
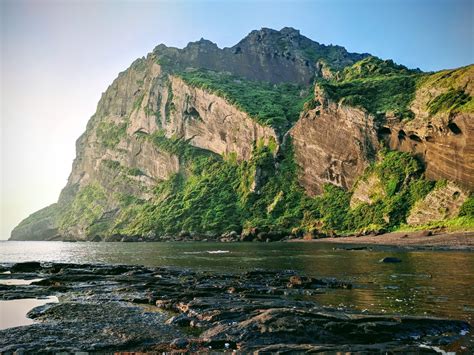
(435, 283)
(13, 312)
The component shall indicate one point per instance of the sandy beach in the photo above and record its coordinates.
(418, 239)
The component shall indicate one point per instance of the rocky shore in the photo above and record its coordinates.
(425, 239)
(110, 308)
(251, 235)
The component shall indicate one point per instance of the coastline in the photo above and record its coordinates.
(409, 239)
(114, 308)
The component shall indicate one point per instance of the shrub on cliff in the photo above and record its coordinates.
(467, 209)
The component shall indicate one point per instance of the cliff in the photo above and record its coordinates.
(273, 136)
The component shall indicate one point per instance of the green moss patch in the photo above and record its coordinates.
(110, 134)
(452, 100)
(275, 105)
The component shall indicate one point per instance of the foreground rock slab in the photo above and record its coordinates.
(110, 308)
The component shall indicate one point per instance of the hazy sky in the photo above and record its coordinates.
(57, 57)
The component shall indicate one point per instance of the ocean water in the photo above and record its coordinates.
(431, 283)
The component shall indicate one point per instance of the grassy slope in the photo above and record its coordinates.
(275, 105)
(383, 87)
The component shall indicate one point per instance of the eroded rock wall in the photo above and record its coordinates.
(441, 203)
(444, 144)
(333, 144)
(208, 121)
(442, 140)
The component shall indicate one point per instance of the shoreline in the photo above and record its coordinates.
(168, 309)
(407, 240)
(410, 240)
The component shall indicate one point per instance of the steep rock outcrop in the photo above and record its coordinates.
(117, 160)
(209, 122)
(441, 137)
(443, 143)
(441, 203)
(333, 144)
(41, 225)
(263, 55)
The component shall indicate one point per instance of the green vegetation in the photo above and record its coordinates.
(383, 87)
(215, 195)
(110, 134)
(464, 221)
(467, 209)
(453, 84)
(111, 164)
(212, 194)
(374, 67)
(49, 212)
(272, 105)
(453, 224)
(452, 100)
(116, 166)
(378, 86)
(201, 199)
(138, 102)
(277, 201)
(86, 208)
(378, 94)
(403, 184)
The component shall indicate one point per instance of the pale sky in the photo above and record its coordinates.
(57, 57)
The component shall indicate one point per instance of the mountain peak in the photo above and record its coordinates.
(202, 43)
(263, 55)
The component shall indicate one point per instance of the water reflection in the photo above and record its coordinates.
(424, 283)
(17, 282)
(13, 312)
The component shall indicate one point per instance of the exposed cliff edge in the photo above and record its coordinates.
(277, 135)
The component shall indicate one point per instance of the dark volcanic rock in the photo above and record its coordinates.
(26, 267)
(107, 308)
(390, 259)
(311, 326)
(74, 326)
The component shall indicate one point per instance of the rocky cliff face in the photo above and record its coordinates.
(264, 55)
(209, 122)
(442, 139)
(334, 143)
(441, 203)
(145, 144)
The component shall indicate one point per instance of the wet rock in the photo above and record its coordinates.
(96, 238)
(232, 236)
(247, 237)
(113, 308)
(181, 320)
(297, 281)
(353, 248)
(390, 259)
(114, 238)
(184, 234)
(30, 266)
(249, 234)
(311, 326)
(179, 343)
